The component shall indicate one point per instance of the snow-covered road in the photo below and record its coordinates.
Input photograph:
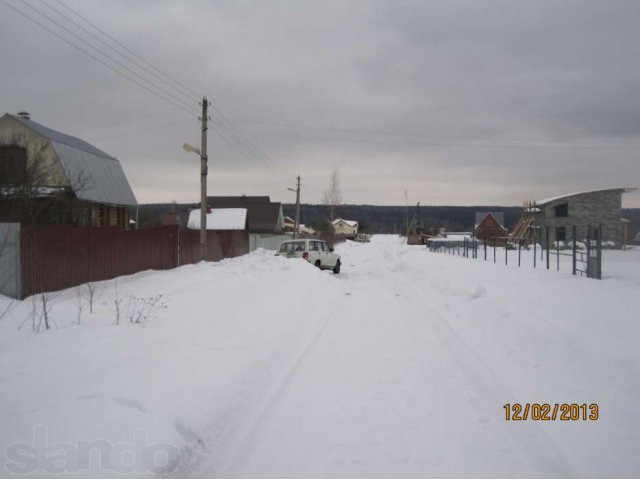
(399, 366)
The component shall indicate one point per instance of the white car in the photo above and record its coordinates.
(316, 252)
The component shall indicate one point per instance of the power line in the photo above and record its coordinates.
(245, 151)
(597, 142)
(225, 128)
(126, 56)
(89, 54)
(235, 133)
(451, 144)
(101, 52)
(239, 140)
(128, 50)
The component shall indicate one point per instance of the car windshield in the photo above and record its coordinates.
(290, 247)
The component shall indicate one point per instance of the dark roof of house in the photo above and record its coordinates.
(263, 215)
(244, 199)
(480, 216)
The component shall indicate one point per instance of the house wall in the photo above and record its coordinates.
(42, 160)
(268, 242)
(343, 229)
(489, 229)
(596, 208)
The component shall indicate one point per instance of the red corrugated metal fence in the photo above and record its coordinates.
(54, 257)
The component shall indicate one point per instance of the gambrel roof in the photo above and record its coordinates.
(106, 183)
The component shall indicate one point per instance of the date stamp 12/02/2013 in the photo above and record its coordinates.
(551, 411)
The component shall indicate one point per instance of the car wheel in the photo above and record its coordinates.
(318, 264)
(336, 269)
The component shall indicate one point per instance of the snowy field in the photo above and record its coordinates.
(262, 366)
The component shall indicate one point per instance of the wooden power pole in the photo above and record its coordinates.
(203, 181)
(297, 235)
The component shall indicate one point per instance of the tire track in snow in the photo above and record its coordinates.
(243, 419)
(535, 445)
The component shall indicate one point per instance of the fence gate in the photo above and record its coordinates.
(10, 281)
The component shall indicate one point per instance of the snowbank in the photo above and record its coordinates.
(263, 366)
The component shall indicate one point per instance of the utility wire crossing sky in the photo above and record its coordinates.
(458, 103)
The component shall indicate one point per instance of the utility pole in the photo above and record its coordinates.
(297, 235)
(406, 202)
(203, 181)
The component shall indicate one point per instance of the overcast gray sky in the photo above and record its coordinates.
(456, 102)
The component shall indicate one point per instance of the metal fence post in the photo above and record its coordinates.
(547, 240)
(599, 247)
(589, 263)
(519, 249)
(558, 254)
(485, 249)
(506, 249)
(535, 247)
(574, 249)
(494, 249)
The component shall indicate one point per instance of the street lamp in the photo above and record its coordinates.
(203, 198)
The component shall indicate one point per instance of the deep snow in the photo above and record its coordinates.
(399, 366)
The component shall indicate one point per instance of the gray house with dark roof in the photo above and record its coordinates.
(62, 178)
(264, 216)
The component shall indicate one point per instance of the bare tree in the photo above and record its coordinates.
(80, 303)
(91, 294)
(35, 190)
(332, 199)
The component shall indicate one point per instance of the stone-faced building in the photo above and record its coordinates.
(51, 177)
(560, 214)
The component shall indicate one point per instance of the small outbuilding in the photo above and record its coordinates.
(265, 216)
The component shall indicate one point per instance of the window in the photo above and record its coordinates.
(561, 234)
(314, 247)
(561, 210)
(13, 165)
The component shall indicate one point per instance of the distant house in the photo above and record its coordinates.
(290, 226)
(560, 214)
(220, 219)
(264, 215)
(51, 177)
(489, 226)
(344, 227)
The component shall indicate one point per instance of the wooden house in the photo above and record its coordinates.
(49, 177)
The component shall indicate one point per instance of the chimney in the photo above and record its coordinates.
(25, 115)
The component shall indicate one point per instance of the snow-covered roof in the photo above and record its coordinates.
(457, 236)
(220, 219)
(351, 223)
(559, 197)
